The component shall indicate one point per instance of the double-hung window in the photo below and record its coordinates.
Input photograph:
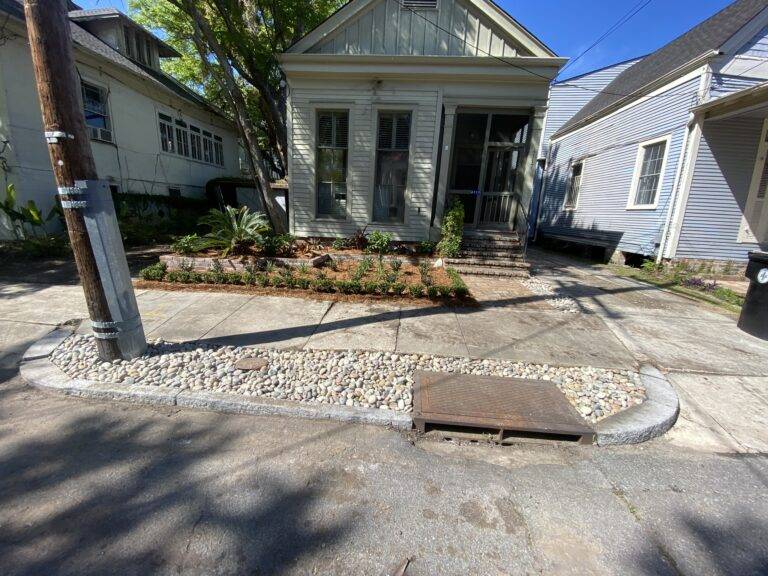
(96, 112)
(574, 186)
(167, 136)
(196, 142)
(207, 147)
(393, 144)
(218, 150)
(182, 138)
(331, 169)
(649, 174)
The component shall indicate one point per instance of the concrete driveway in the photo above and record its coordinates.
(97, 488)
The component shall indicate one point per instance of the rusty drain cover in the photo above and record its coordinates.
(506, 406)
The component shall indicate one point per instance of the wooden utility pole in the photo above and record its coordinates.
(69, 145)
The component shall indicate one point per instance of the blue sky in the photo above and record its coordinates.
(570, 26)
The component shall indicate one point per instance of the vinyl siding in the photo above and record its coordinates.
(610, 147)
(363, 105)
(758, 46)
(388, 28)
(724, 84)
(719, 191)
(568, 97)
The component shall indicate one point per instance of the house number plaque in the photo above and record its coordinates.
(762, 276)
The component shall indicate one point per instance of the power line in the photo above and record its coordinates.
(623, 20)
(525, 69)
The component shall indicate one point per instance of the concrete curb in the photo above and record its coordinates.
(38, 371)
(649, 420)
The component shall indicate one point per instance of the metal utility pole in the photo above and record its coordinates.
(88, 209)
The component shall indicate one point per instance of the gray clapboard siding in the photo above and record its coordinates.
(456, 29)
(610, 147)
(569, 96)
(758, 46)
(719, 191)
(362, 105)
(724, 84)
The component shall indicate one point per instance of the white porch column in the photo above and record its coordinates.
(445, 165)
(524, 186)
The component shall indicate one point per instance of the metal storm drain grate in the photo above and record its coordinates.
(507, 407)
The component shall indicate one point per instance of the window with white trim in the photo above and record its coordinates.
(392, 158)
(189, 141)
(96, 112)
(649, 174)
(574, 186)
(167, 135)
(331, 167)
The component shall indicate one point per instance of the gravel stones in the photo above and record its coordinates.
(544, 288)
(354, 378)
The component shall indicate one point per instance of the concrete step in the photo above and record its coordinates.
(501, 236)
(492, 271)
(488, 263)
(492, 254)
(490, 242)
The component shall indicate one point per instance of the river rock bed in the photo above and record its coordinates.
(363, 379)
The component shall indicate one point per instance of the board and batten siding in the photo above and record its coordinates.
(569, 96)
(719, 190)
(388, 28)
(609, 147)
(363, 106)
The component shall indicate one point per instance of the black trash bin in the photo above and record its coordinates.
(754, 314)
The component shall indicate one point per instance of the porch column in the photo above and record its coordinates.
(524, 187)
(445, 166)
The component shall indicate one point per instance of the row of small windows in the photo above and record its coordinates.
(177, 137)
(393, 141)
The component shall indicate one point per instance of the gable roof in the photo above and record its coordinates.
(87, 41)
(705, 38)
(503, 24)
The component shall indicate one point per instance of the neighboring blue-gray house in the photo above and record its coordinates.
(669, 158)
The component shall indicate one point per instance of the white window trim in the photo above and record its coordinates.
(638, 168)
(746, 234)
(319, 106)
(395, 107)
(574, 163)
(107, 107)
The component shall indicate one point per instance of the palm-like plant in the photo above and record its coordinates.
(234, 229)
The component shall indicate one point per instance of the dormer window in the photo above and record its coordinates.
(138, 46)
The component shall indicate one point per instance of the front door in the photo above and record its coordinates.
(486, 157)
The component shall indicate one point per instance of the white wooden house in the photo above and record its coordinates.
(396, 106)
(149, 134)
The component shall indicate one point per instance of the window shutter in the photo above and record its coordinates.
(386, 129)
(325, 130)
(403, 132)
(342, 129)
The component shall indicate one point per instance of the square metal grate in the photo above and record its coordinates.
(507, 406)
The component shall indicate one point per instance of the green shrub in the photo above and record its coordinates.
(45, 246)
(416, 290)
(379, 242)
(458, 285)
(453, 228)
(370, 287)
(322, 284)
(427, 248)
(262, 279)
(216, 274)
(155, 272)
(339, 244)
(425, 271)
(444, 290)
(363, 267)
(186, 245)
(398, 288)
(233, 278)
(396, 265)
(304, 283)
(348, 286)
(432, 292)
(182, 276)
(278, 244)
(233, 230)
(303, 268)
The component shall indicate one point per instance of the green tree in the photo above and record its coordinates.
(229, 53)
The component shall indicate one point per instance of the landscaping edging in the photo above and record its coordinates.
(37, 370)
(655, 416)
(651, 419)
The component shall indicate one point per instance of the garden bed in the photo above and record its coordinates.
(364, 276)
